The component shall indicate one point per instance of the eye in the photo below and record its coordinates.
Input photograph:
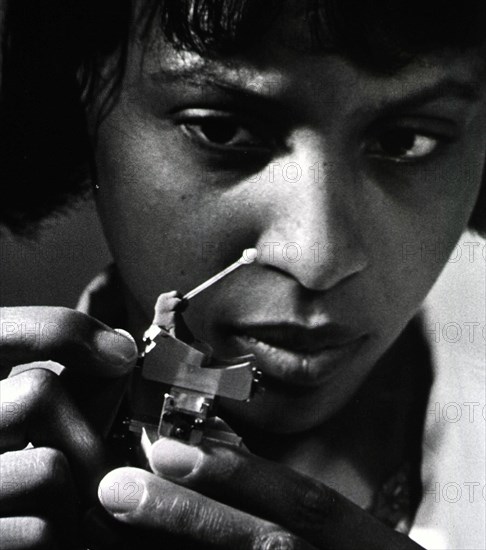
(403, 145)
(223, 132)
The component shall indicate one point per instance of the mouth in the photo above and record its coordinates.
(296, 354)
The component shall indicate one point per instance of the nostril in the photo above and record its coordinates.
(314, 266)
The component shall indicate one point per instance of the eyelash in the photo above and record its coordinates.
(206, 129)
(193, 126)
(429, 142)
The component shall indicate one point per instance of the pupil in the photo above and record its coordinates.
(219, 131)
(398, 142)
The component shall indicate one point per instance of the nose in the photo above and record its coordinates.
(313, 229)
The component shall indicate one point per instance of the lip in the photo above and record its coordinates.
(298, 354)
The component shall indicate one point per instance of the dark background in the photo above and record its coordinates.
(54, 268)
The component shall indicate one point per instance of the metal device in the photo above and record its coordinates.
(177, 386)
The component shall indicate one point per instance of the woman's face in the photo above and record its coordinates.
(354, 188)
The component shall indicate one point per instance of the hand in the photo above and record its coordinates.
(222, 497)
(42, 486)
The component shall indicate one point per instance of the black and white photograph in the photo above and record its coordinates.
(242, 275)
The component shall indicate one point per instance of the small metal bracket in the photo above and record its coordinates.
(188, 383)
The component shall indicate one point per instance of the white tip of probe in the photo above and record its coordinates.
(249, 255)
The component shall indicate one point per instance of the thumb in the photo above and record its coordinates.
(99, 398)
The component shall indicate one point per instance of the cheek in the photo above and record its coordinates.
(166, 228)
(418, 242)
(411, 231)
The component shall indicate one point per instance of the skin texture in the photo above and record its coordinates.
(45, 488)
(363, 228)
(391, 152)
(381, 179)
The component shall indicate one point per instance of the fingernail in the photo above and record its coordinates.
(117, 346)
(120, 492)
(172, 458)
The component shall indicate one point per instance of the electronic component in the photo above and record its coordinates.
(179, 382)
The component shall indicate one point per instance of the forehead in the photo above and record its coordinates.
(274, 69)
(281, 64)
(295, 35)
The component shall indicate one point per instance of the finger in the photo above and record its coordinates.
(99, 399)
(74, 339)
(33, 477)
(39, 480)
(103, 532)
(26, 533)
(37, 410)
(141, 499)
(274, 492)
(93, 353)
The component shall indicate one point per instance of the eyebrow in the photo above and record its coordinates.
(443, 89)
(249, 96)
(209, 76)
(447, 88)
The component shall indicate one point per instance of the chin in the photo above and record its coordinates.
(273, 414)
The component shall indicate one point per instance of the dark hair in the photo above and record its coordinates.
(45, 153)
